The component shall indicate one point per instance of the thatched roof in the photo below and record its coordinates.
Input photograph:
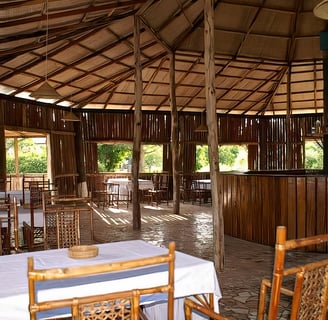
(90, 53)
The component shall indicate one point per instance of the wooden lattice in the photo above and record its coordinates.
(61, 228)
(108, 310)
(68, 229)
(314, 293)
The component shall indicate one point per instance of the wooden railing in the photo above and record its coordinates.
(255, 204)
(18, 181)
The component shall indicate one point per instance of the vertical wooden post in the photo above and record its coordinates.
(3, 167)
(211, 120)
(16, 156)
(80, 159)
(324, 49)
(325, 110)
(174, 138)
(137, 128)
(289, 164)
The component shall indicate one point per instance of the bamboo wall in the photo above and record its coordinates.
(254, 204)
(275, 143)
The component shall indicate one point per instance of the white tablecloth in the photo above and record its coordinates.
(192, 276)
(18, 194)
(204, 183)
(126, 184)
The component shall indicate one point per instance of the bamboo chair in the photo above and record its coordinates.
(164, 187)
(99, 195)
(201, 307)
(94, 305)
(33, 237)
(113, 194)
(309, 290)
(120, 305)
(198, 193)
(61, 228)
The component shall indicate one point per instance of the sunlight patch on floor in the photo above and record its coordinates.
(157, 208)
(112, 219)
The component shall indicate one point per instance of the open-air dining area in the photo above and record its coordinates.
(164, 159)
(192, 231)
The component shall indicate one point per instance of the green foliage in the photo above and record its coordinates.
(33, 164)
(231, 157)
(313, 155)
(10, 163)
(228, 155)
(202, 160)
(32, 156)
(153, 158)
(112, 156)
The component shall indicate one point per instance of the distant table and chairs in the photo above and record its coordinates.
(124, 187)
(60, 226)
(200, 191)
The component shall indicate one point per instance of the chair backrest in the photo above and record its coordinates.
(61, 228)
(191, 305)
(120, 305)
(310, 280)
(33, 237)
(88, 304)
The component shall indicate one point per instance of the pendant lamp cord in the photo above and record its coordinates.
(47, 34)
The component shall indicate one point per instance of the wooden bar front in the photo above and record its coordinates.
(255, 204)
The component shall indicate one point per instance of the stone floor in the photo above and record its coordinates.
(192, 231)
(245, 264)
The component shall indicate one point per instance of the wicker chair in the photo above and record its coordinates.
(113, 194)
(61, 228)
(307, 285)
(198, 193)
(202, 307)
(120, 305)
(33, 237)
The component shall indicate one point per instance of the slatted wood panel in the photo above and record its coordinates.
(254, 205)
(33, 115)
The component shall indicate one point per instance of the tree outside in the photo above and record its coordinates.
(153, 158)
(32, 155)
(118, 158)
(231, 157)
(112, 157)
(313, 155)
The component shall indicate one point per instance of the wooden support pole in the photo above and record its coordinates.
(174, 139)
(80, 159)
(136, 128)
(211, 120)
(3, 170)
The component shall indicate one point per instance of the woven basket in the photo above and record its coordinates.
(82, 252)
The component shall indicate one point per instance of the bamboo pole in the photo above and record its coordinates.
(3, 170)
(16, 236)
(174, 138)
(211, 119)
(137, 128)
(288, 138)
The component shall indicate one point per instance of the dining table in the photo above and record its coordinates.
(193, 276)
(203, 183)
(125, 185)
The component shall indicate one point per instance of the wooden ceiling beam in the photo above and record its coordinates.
(5, 23)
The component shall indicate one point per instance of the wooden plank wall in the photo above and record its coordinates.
(266, 135)
(63, 163)
(255, 204)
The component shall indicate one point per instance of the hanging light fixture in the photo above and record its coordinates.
(70, 116)
(46, 91)
(321, 10)
(202, 127)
